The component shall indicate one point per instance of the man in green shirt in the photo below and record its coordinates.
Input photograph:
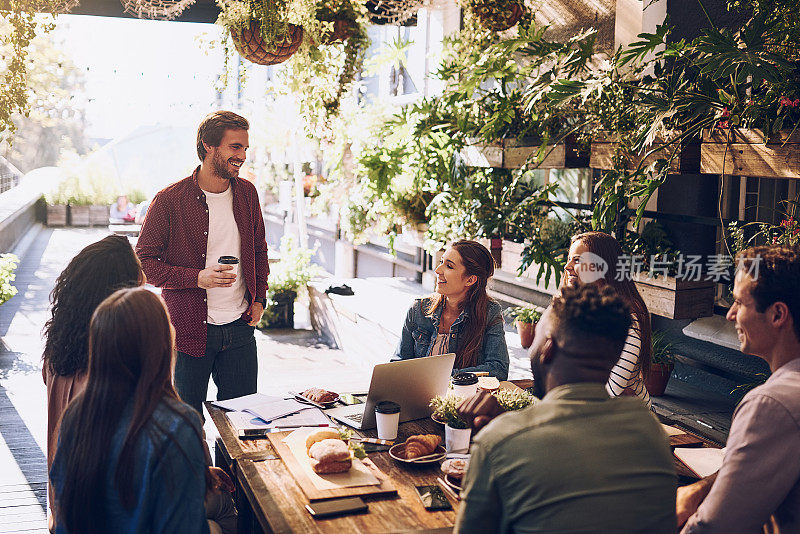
(577, 461)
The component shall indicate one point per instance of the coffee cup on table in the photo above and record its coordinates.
(465, 385)
(387, 417)
(228, 260)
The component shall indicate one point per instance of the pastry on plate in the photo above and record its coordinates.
(421, 445)
(320, 395)
(455, 467)
(330, 456)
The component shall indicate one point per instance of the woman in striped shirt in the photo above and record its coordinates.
(594, 258)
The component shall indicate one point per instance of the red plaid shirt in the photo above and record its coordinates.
(172, 247)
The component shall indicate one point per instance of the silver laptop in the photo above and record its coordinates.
(410, 383)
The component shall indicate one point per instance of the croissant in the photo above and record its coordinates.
(421, 445)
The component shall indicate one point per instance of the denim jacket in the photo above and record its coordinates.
(420, 330)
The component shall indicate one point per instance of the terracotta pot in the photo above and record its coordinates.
(526, 333)
(498, 21)
(656, 380)
(251, 46)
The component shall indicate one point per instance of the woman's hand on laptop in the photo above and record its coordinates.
(479, 409)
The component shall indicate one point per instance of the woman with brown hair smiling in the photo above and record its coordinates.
(130, 456)
(627, 376)
(460, 316)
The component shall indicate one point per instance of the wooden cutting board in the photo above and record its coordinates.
(315, 494)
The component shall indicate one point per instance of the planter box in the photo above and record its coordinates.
(98, 215)
(748, 155)
(57, 215)
(676, 298)
(604, 146)
(515, 153)
(79, 215)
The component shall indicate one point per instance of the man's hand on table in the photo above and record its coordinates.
(218, 480)
(479, 409)
(690, 497)
(216, 276)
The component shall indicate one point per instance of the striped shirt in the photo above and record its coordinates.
(627, 373)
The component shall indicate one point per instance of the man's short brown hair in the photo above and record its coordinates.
(776, 277)
(214, 127)
(588, 312)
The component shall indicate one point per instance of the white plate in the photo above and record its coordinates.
(398, 452)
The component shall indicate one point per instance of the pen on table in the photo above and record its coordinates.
(704, 424)
(447, 489)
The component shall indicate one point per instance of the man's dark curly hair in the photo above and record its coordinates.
(776, 277)
(97, 271)
(590, 311)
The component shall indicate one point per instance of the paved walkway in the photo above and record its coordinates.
(288, 360)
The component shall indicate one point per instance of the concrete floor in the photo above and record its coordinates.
(288, 360)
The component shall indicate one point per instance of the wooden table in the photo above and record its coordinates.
(277, 504)
(269, 499)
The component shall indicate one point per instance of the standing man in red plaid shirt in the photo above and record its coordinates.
(189, 226)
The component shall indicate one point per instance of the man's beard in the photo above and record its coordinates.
(220, 168)
(539, 377)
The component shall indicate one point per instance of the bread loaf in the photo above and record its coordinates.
(421, 445)
(330, 456)
(319, 435)
(319, 395)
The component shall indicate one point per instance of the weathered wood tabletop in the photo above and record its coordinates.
(278, 503)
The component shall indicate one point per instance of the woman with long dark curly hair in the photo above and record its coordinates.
(96, 272)
(627, 377)
(460, 316)
(130, 457)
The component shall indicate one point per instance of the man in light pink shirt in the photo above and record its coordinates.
(757, 489)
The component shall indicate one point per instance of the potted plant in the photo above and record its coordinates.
(496, 15)
(456, 431)
(260, 31)
(525, 318)
(287, 277)
(514, 399)
(57, 201)
(661, 365)
(8, 263)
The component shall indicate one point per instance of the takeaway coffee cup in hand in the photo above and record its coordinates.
(465, 385)
(387, 416)
(228, 260)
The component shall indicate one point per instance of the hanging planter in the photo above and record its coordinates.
(498, 16)
(605, 145)
(749, 155)
(251, 46)
(513, 153)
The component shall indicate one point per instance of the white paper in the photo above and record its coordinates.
(358, 475)
(275, 409)
(240, 403)
(264, 406)
(672, 431)
(704, 461)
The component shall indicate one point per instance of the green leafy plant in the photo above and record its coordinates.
(786, 233)
(8, 264)
(514, 399)
(294, 270)
(524, 314)
(445, 408)
(662, 349)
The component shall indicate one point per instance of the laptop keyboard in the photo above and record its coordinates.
(356, 417)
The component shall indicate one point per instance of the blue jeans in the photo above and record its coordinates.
(230, 359)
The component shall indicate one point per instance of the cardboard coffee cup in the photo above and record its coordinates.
(465, 385)
(387, 416)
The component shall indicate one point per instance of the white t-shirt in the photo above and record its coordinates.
(225, 304)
